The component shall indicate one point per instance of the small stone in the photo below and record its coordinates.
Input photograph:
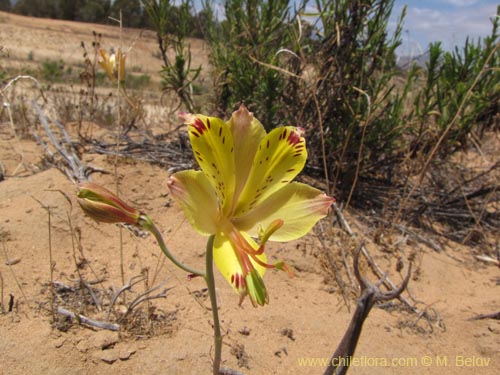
(245, 331)
(108, 356)
(83, 346)
(494, 330)
(288, 332)
(12, 261)
(105, 339)
(126, 354)
(59, 342)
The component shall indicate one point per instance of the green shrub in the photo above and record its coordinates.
(243, 46)
(52, 70)
(137, 82)
(463, 83)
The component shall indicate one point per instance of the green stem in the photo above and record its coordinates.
(209, 278)
(146, 223)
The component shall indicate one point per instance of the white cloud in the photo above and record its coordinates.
(461, 3)
(450, 26)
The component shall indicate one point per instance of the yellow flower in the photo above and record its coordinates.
(245, 191)
(111, 64)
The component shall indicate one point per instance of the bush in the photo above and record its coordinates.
(461, 92)
(52, 70)
(243, 46)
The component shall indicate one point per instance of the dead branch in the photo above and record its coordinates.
(92, 294)
(146, 296)
(487, 259)
(134, 280)
(376, 269)
(416, 236)
(174, 154)
(486, 316)
(336, 272)
(91, 322)
(228, 371)
(371, 295)
(66, 157)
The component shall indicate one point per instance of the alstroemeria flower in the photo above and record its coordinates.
(244, 195)
(104, 206)
(113, 65)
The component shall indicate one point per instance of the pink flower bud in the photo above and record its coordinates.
(104, 206)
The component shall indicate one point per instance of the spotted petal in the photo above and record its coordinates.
(193, 191)
(231, 264)
(300, 206)
(279, 159)
(213, 148)
(247, 133)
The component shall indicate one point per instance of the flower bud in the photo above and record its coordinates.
(113, 65)
(104, 206)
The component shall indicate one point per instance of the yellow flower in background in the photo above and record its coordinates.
(244, 191)
(113, 65)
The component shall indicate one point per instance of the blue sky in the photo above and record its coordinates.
(449, 21)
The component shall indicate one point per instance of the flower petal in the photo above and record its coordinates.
(300, 206)
(247, 133)
(280, 157)
(193, 191)
(232, 265)
(213, 148)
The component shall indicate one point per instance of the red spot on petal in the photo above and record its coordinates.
(237, 281)
(199, 126)
(293, 138)
(232, 279)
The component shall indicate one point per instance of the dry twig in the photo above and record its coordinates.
(371, 294)
(88, 321)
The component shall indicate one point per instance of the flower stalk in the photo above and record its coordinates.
(146, 223)
(209, 279)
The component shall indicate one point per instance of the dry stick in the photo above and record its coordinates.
(145, 296)
(125, 287)
(361, 145)
(228, 371)
(427, 241)
(1, 294)
(486, 316)
(118, 131)
(323, 149)
(487, 259)
(371, 294)
(92, 294)
(346, 266)
(336, 272)
(11, 120)
(51, 262)
(14, 276)
(450, 125)
(88, 321)
(73, 168)
(21, 152)
(372, 262)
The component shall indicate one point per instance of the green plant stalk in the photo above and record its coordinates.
(209, 279)
(146, 223)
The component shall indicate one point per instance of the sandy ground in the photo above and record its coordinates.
(295, 334)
